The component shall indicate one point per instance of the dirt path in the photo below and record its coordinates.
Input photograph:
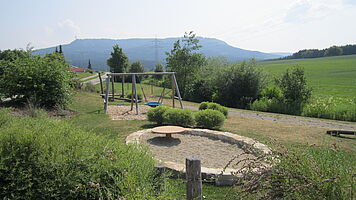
(330, 124)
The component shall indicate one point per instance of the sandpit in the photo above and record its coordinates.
(212, 152)
(121, 112)
(214, 148)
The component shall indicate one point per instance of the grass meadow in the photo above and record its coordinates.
(333, 80)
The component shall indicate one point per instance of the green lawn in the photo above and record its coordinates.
(329, 76)
(84, 74)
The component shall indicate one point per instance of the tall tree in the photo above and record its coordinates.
(136, 67)
(89, 65)
(56, 51)
(60, 49)
(158, 68)
(183, 60)
(118, 62)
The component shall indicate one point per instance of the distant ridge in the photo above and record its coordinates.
(98, 51)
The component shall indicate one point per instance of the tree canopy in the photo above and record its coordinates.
(136, 67)
(183, 60)
(118, 62)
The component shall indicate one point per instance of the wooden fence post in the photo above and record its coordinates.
(193, 175)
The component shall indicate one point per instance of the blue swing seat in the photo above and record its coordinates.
(153, 104)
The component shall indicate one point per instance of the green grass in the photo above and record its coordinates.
(84, 74)
(329, 76)
(90, 117)
(88, 79)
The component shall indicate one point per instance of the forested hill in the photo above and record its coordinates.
(98, 51)
(318, 53)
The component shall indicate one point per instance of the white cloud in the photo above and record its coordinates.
(61, 32)
(69, 24)
(304, 11)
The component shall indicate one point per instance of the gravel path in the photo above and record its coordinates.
(213, 153)
(331, 124)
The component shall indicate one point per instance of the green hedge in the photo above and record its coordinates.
(213, 106)
(156, 114)
(209, 118)
(181, 117)
(51, 159)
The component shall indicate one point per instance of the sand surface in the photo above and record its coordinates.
(124, 112)
(213, 153)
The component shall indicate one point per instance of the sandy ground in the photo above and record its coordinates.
(213, 153)
(125, 113)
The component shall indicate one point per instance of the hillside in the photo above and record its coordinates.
(98, 51)
(329, 76)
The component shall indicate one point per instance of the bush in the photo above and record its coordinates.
(293, 85)
(45, 80)
(156, 114)
(209, 118)
(239, 84)
(180, 117)
(276, 106)
(203, 105)
(139, 96)
(51, 159)
(214, 106)
(88, 87)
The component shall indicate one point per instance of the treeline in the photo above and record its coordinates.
(316, 53)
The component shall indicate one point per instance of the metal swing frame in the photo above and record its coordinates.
(110, 77)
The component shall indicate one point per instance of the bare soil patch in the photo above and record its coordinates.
(121, 112)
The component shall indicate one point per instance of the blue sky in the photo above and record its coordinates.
(269, 26)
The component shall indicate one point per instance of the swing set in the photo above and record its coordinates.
(134, 99)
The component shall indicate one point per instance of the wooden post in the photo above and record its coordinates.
(132, 92)
(194, 182)
(122, 87)
(136, 100)
(107, 94)
(173, 93)
(101, 84)
(112, 88)
(176, 84)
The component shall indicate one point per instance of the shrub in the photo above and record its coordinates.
(203, 105)
(209, 118)
(156, 114)
(88, 87)
(180, 117)
(239, 84)
(51, 159)
(293, 85)
(139, 96)
(276, 106)
(47, 80)
(214, 106)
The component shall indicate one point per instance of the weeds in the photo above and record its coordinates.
(316, 173)
(332, 108)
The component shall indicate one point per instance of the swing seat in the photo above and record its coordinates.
(153, 104)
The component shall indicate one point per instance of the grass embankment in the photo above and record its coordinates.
(332, 80)
(84, 74)
(297, 138)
